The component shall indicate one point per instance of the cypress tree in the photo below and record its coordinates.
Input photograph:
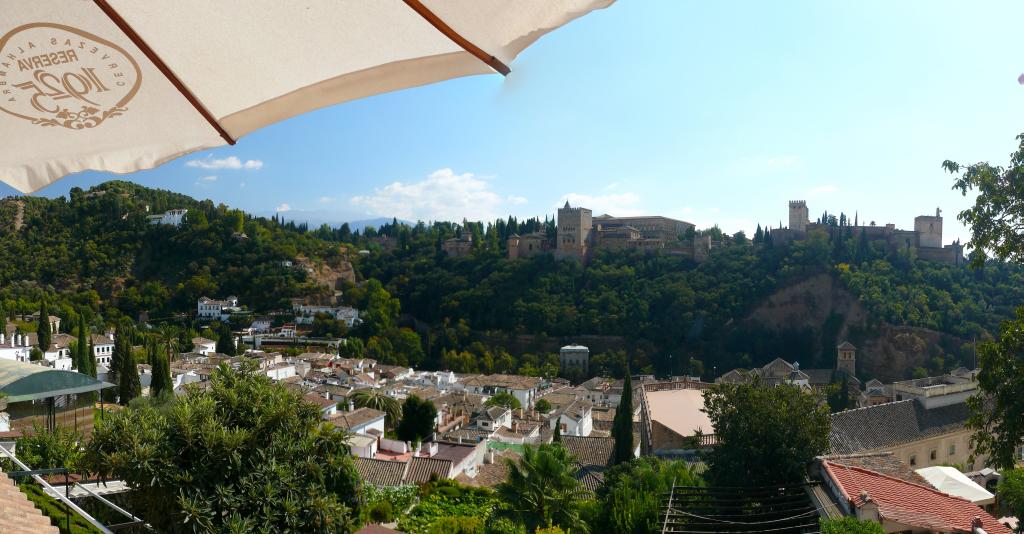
(622, 425)
(82, 350)
(160, 372)
(43, 330)
(557, 437)
(128, 386)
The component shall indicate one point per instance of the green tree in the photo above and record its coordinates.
(127, 373)
(766, 435)
(161, 372)
(997, 412)
(622, 424)
(225, 340)
(44, 331)
(849, 525)
(542, 406)
(418, 418)
(82, 353)
(35, 354)
(630, 500)
(1011, 493)
(997, 217)
(504, 398)
(214, 460)
(541, 489)
(43, 449)
(378, 400)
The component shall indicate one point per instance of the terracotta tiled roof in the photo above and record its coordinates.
(359, 416)
(880, 462)
(317, 399)
(490, 475)
(17, 514)
(910, 504)
(421, 469)
(890, 424)
(593, 456)
(380, 472)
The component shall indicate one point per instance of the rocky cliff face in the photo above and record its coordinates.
(820, 304)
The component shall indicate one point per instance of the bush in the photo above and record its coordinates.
(43, 449)
(457, 525)
(850, 525)
(381, 512)
(447, 499)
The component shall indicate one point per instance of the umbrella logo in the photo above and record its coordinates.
(58, 76)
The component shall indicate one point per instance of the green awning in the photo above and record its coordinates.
(26, 381)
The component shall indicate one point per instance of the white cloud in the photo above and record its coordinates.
(443, 195)
(325, 200)
(283, 208)
(241, 185)
(617, 204)
(209, 178)
(230, 162)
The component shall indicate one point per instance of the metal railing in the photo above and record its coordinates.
(50, 491)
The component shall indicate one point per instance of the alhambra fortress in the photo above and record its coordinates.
(579, 233)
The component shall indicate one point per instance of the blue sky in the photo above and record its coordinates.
(713, 112)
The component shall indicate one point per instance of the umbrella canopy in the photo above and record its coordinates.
(125, 85)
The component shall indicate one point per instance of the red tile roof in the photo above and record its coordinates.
(910, 504)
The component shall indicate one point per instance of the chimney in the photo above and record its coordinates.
(2, 338)
(351, 406)
(976, 525)
(489, 457)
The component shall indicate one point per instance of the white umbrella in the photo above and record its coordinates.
(125, 85)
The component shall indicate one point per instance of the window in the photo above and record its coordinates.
(934, 454)
(952, 449)
(913, 460)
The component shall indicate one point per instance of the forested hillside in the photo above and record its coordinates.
(751, 301)
(678, 316)
(97, 251)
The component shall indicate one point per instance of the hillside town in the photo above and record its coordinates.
(531, 267)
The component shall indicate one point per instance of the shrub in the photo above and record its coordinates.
(381, 512)
(850, 525)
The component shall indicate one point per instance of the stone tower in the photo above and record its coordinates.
(798, 215)
(846, 361)
(513, 246)
(929, 230)
(574, 227)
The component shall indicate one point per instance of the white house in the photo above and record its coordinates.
(15, 347)
(576, 419)
(494, 418)
(521, 387)
(286, 330)
(305, 313)
(260, 325)
(203, 346)
(367, 427)
(210, 309)
(102, 348)
(169, 217)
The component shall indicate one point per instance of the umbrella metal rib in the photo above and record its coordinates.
(167, 72)
(448, 32)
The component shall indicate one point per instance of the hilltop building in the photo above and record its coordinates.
(925, 239)
(579, 233)
(575, 356)
(458, 247)
(169, 217)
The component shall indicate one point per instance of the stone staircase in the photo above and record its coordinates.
(17, 514)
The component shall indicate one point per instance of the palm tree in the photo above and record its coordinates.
(378, 400)
(541, 489)
(168, 334)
